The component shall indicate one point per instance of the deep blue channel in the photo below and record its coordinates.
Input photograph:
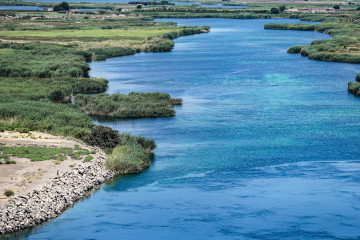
(265, 146)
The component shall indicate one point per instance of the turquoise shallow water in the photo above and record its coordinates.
(265, 145)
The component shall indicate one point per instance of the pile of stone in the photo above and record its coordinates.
(62, 192)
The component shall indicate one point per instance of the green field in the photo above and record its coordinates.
(136, 35)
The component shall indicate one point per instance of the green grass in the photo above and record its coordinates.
(137, 35)
(45, 116)
(41, 60)
(88, 159)
(34, 89)
(37, 153)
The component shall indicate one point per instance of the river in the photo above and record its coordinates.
(265, 146)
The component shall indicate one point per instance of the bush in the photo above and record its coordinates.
(103, 137)
(274, 11)
(10, 162)
(9, 193)
(81, 134)
(128, 159)
(64, 6)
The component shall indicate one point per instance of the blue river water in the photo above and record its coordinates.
(265, 145)
(21, 8)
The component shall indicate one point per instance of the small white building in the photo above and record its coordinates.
(48, 9)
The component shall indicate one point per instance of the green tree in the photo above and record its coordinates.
(274, 11)
(336, 7)
(103, 137)
(64, 6)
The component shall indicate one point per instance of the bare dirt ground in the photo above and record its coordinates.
(26, 176)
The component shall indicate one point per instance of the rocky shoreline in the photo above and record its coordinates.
(59, 194)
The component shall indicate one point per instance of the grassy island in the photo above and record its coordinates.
(343, 47)
(128, 106)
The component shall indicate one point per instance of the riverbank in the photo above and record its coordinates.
(36, 77)
(45, 189)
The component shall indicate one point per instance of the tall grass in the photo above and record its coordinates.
(132, 105)
(128, 159)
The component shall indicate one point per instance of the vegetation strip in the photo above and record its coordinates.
(128, 106)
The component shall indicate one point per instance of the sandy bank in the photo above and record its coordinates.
(44, 189)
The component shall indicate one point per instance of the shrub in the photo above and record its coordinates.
(5, 157)
(64, 6)
(58, 95)
(128, 159)
(10, 162)
(274, 10)
(8, 193)
(81, 134)
(103, 137)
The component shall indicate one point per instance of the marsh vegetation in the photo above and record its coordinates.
(133, 105)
